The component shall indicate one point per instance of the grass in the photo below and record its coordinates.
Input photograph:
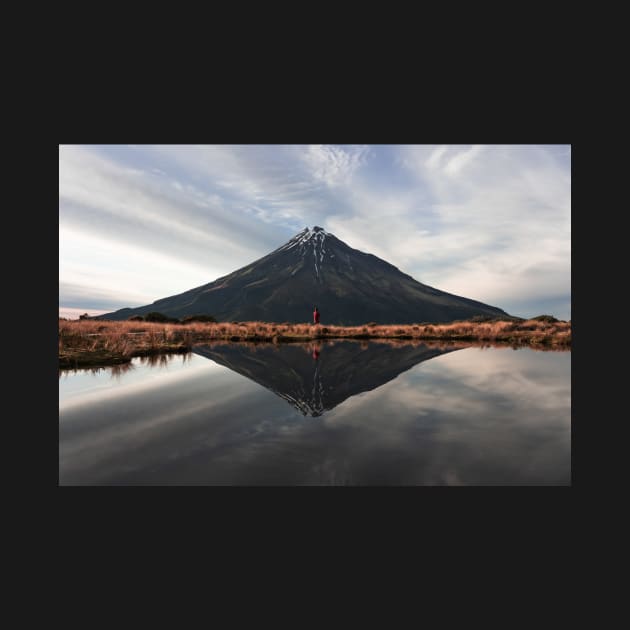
(98, 342)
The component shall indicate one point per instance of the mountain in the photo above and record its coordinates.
(314, 379)
(348, 286)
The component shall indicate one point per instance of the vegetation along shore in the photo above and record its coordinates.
(89, 342)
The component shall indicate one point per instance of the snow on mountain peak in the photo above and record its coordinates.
(308, 233)
(315, 236)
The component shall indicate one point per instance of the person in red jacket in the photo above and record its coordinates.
(316, 316)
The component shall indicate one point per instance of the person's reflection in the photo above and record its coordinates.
(316, 352)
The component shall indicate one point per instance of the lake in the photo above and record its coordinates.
(344, 413)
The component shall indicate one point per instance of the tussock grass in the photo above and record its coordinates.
(93, 342)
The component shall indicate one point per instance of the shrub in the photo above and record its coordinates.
(155, 317)
(158, 317)
(200, 318)
(136, 318)
(548, 319)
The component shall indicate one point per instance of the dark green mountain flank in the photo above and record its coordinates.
(316, 379)
(316, 268)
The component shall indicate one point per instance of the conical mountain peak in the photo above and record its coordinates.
(350, 287)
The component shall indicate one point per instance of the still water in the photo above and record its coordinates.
(346, 413)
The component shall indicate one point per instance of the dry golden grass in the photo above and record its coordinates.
(91, 342)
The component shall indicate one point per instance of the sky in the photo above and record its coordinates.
(141, 222)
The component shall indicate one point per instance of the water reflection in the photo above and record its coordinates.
(118, 369)
(317, 377)
(390, 415)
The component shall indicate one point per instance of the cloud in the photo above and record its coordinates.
(138, 215)
(99, 298)
(334, 165)
(274, 181)
(478, 409)
(98, 272)
(456, 163)
(490, 223)
(137, 206)
(74, 313)
(436, 157)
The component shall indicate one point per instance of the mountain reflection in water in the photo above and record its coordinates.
(315, 378)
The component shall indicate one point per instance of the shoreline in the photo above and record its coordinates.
(89, 343)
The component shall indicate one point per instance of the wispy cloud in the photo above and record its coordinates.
(436, 157)
(334, 165)
(456, 163)
(491, 223)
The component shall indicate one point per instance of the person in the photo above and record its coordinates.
(316, 316)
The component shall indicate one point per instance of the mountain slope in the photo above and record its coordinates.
(316, 268)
